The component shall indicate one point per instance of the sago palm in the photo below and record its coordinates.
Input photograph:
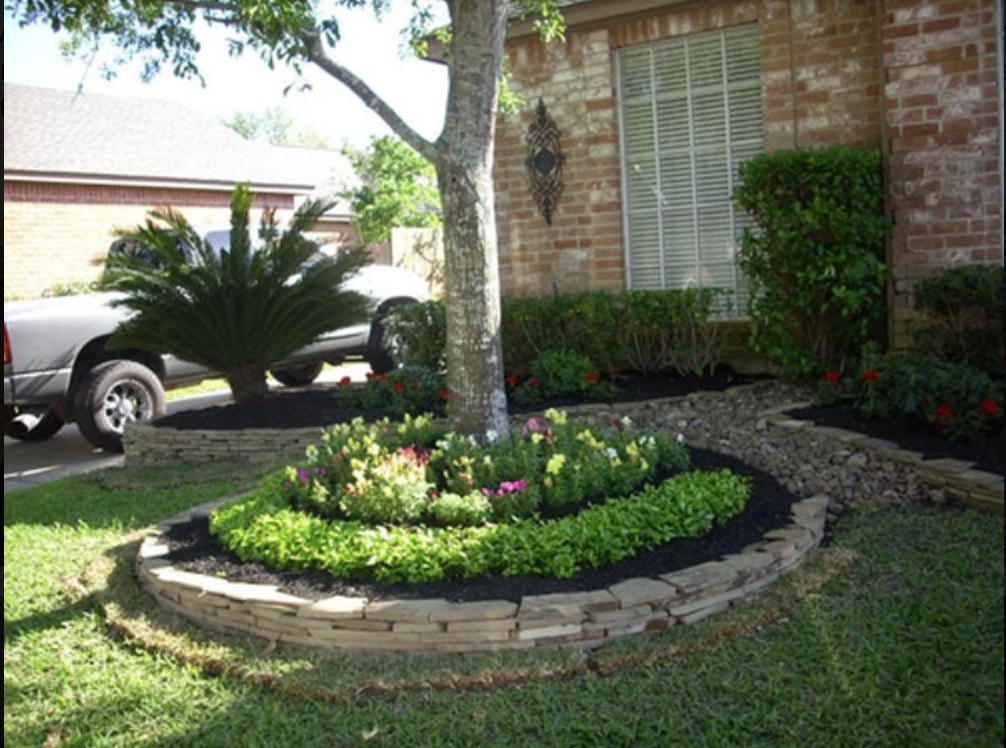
(237, 310)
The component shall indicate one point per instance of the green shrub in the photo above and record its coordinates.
(814, 259)
(966, 307)
(646, 331)
(409, 390)
(672, 331)
(963, 402)
(587, 323)
(560, 374)
(421, 333)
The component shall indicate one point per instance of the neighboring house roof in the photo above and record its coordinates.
(64, 136)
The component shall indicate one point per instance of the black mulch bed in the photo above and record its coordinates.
(910, 434)
(317, 406)
(194, 550)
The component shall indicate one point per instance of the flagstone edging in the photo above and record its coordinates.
(582, 620)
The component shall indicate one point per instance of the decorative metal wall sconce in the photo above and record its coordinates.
(544, 162)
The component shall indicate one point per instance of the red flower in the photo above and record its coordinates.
(989, 407)
(513, 380)
(398, 386)
(833, 377)
(345, 382)
(944, 413)
(445, 393)
(870, 376)
(371, 375)
(534, 382)
(591, 378)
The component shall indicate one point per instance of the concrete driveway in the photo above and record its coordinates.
(68, 453)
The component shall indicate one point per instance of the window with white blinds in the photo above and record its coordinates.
(691, 111)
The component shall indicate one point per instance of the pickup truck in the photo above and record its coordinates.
(57, 368)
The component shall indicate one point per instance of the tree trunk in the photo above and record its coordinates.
(247, 383)
(477, 403)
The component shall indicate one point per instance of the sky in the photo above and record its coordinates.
(370, 48)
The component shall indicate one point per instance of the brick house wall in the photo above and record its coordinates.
(916, 78)
(59, 233)
(943, 115)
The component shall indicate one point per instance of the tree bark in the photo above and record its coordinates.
(463, 157)
(477, 403)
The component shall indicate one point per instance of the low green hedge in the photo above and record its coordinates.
(263, 528)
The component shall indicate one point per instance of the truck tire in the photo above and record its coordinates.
(385, 352)
(300, 375)
(113, 394)
(29, 427)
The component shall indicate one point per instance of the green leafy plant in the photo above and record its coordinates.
(686, 505)
(412, 502)
(421, 332)
(965, 306)
(672, 330)
(646, 331)
(814, 259)
(238, 310)
(961, 401)
(408, 390)
(399, 188)
(562, 373)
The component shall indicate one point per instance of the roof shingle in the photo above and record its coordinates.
(93, 137)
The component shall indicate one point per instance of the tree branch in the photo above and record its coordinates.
(317, 54)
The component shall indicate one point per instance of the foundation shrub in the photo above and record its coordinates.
(814, 257)
(965, 307)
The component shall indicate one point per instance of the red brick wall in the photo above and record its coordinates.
(916, 78)
(58, 234)
(943, 121)
(820, 62)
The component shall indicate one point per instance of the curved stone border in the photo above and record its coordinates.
(582, 620)
(962, 483)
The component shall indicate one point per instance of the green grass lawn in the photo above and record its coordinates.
(892, 637)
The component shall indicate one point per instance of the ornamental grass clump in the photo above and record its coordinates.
(410, 501)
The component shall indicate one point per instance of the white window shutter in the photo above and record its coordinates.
(690, 112)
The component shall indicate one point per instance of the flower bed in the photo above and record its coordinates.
(411, 502)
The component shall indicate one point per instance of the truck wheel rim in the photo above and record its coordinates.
(127, 402)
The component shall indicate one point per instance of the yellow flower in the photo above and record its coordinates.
(555, 464)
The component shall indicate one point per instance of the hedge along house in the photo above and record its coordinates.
(79, 166)
(656, 102)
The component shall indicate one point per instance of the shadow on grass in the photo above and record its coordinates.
(128, 498)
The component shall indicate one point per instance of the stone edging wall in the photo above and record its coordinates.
(583, 620)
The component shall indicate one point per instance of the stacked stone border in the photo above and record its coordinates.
(581, 620)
